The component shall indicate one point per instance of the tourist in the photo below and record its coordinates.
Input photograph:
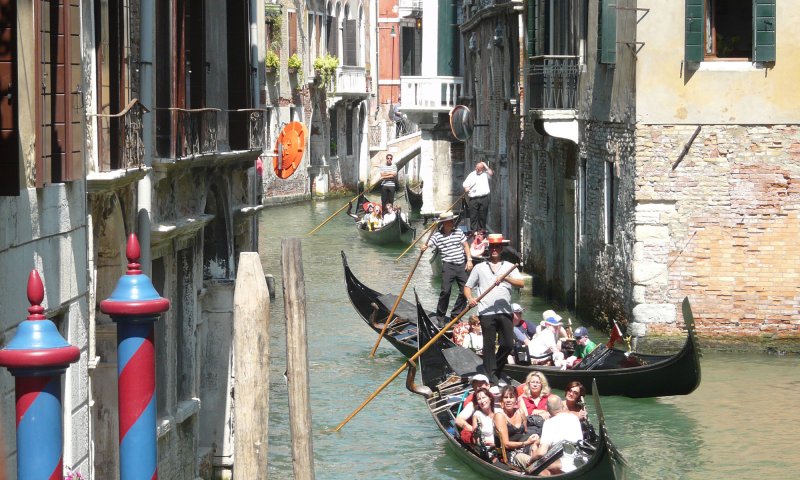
(483, 418)
(512, 428)
(464, 416)
(474, 338)
(545, 347)
(561, 426)
(584, 346)
(388, 181)
(534, 393)
(573, 396)
(390, 215)
(479, 243)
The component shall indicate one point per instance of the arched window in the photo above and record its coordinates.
(349, 38)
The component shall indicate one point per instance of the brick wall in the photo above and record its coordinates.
(722, 227)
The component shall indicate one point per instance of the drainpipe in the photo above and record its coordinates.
(255, 55)
(145, 185)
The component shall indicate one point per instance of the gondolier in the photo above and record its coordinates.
(456, 263)
(477, 187)
(388, 181)
(494, 309)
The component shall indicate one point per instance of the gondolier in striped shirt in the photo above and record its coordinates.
(456, 263)
(388, 181)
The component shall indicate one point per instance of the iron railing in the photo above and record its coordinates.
(186, 132)
(126, 125)
(253, 121)
(553, 81)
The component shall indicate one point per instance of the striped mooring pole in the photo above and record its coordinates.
(135, 306)
(37, 356)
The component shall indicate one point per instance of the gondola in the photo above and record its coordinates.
(395, 232)
(631, 374)
(414, 199)
(374, 307)
(445, 370)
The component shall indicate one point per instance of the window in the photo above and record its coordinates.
(582, 199)
(9, 130)
(608, 31)
(59, 106)
(730, 29)
(610, 202)
(349, 131)
(292, 33)
(334, 131)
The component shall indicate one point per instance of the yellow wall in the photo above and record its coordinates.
(669, 94)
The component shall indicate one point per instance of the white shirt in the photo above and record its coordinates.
(389, 218)
(563, 426)
(542, 343)
(478, 185)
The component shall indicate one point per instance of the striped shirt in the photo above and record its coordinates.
(388, 182)
(451, 247)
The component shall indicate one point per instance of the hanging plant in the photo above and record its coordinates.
(325, 68)
(272, 61)
(294, 63)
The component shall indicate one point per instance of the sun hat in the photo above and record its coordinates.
(479, 378)
(516, 308)
(446, 216)
(551, 318)
(497, 239)
(581, 332)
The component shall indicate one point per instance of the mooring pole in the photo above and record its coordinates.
(135, 306)
(251, 368)
(294, 305)
(37, 356)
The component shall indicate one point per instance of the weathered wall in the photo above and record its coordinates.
(670, 91)
(721, 228)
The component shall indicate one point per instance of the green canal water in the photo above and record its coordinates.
(742, 421)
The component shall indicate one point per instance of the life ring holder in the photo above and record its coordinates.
(289, 149)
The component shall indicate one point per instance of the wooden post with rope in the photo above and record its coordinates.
(337, 212)
(423, 349)
(432, 225)
(399, 298)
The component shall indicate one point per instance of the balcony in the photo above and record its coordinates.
(410, 8)
(553, 94)
(349, 81)
(430, 94)
(182, 133)
(122, 155)
(246, 128)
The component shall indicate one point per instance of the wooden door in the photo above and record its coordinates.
(9, 133)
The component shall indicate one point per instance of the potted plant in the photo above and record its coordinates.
(294, 63)
(271, 61)
(325, 68)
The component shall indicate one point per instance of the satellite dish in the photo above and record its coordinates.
(289, 149)
(462, 122)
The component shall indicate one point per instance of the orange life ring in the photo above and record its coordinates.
(289, 149)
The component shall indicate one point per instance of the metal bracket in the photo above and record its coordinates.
(636, 47)
(645, 10)
(686, 147)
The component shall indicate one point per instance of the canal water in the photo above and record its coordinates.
(742, 421)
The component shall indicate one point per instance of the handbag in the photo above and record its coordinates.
(521, 355)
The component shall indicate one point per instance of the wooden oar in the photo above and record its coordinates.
(337, 212)
(426, 230)
(399, 297)
(422, 350)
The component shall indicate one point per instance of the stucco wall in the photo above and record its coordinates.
(672, 92)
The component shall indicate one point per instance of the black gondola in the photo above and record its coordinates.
(445, 370)
(374, 307)
(395, 232)
(631, 374)
(414, 198)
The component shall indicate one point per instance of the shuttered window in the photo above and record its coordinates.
(764, 30)
(292, 33)
(533, 5)
(331, 31)
(9, 129)
(694, 31)
(59, 107)
(608, 31)
(350, 43)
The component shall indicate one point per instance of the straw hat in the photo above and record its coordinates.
(497, 239)
(446, 216)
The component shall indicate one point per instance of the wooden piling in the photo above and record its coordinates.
(251, 367)
(294, 305)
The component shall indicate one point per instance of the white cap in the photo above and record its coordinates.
(551, 317)
(516, 307)
(479, 378)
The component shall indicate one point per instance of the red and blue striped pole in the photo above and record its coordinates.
(37, 356)
(135, 307)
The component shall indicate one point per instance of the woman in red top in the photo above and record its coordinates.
(534, 393)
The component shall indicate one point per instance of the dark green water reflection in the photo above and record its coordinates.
(740, 423)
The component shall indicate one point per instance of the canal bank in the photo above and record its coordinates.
(688, 437)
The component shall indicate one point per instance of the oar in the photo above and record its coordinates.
(399, 297)
(337, 212)
(422, 350)
(426, 230)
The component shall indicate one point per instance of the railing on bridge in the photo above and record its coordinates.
(430, 93)
(553, 81)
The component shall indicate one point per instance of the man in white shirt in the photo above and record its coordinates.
(477, 187)
(562, 425)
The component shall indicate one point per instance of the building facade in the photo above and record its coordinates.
(670, 173)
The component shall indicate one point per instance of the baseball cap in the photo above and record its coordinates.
(479, 378)
(551, 317)
(516, 307)
(581, 332)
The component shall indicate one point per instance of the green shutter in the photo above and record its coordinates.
(764, 30)
(447, 57)
(608, 31)
(694, 31)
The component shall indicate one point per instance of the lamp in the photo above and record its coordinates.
(498, 35)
